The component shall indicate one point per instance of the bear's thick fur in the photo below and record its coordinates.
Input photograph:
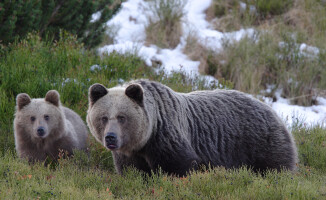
(149, 126)
(43, 128)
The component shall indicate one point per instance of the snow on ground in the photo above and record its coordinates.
(309, 116)
(132, 19)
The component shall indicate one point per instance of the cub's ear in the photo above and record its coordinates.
(53, 97)
(22, 100)
(136, 93)
(95, 92)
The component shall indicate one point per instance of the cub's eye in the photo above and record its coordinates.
(33, 118)
(105, 120)
(46, 117)
(121, 119)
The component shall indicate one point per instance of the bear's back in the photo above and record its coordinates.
(239, 129)
(225, 127)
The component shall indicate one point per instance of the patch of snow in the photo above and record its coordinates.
(309, 116)
(67, 80)
(132, 19)
(303, 50)
(195, 21)
(96, 16)
(95, 67)
(243, 7)
(308, 49)
(270, 88)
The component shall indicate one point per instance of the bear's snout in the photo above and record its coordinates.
(111, 140)
(40, 131)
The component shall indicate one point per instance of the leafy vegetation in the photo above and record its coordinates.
(34, 66)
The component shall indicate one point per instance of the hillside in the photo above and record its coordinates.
(275, 52)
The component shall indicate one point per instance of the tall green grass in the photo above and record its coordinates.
(35, 66)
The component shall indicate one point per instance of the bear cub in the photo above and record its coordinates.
(43, 128)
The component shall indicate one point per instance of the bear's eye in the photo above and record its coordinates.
(121, 119)
(33, 118)
(46, 117)
(105, 120)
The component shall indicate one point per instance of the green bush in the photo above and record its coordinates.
(19, 17)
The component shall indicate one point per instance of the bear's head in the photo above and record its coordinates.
(117, 117)
(39, 118)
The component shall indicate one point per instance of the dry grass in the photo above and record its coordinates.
(197, 51)
(228, 15)
(164, 28)
(253, 63)
(306, 18)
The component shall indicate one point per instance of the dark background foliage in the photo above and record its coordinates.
(48, 17)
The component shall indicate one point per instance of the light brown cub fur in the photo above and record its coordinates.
(43, 128)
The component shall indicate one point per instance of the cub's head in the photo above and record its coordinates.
(117, 117)
(38, 118)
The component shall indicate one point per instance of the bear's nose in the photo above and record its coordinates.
(41, 131)
(111, 138)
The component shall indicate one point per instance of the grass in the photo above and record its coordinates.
(164, 28)
(253, 64)
(35, 66)
(76, 178)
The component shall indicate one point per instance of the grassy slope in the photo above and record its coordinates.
(35, 67)
(272, 56)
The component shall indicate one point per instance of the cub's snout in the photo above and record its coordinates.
(41, 131)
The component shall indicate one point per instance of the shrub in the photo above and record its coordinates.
(19, 17)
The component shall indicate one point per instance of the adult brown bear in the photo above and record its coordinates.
(149, 126)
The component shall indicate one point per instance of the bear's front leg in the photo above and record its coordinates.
(178, 161)
(121, 162)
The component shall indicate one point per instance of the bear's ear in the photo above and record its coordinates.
(22, 100)
(95, 92)
(53, 97)
(136, 93)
